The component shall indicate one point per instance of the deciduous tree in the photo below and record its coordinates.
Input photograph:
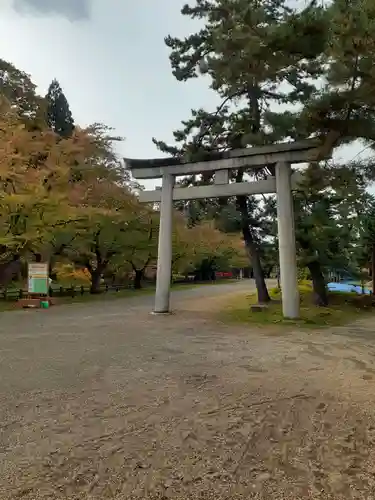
(35, 193)
(103, 234)
(140, 248)
(20, 92)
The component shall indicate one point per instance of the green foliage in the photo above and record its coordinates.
(328, 208)
(345, 103)
(365, 249)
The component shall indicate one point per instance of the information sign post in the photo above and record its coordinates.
(38, 282)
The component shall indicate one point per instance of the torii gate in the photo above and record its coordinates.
(280, 155)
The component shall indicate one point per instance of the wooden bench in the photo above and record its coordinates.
(33, 301)
(28, 302)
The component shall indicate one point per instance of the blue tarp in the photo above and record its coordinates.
(347, 288)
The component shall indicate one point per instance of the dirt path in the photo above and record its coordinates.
(104, 401)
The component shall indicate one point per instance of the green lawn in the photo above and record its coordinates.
(343, 308)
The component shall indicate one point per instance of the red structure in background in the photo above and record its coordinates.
(220, 274)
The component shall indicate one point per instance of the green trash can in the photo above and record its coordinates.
(44, 304)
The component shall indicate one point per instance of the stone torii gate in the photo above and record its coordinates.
(280, 155)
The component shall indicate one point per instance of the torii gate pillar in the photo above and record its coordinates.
(287, 241)
(164, 267)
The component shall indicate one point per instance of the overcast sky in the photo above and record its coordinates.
(111, 60)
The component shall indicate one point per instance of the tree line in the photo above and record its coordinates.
(66, 197)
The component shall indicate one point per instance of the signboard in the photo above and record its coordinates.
(38, 281)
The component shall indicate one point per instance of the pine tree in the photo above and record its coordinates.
(328, 207)
(250, 51)
(59, 116)
(344, 108)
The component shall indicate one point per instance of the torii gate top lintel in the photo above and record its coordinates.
(289, 152)
(219, 164)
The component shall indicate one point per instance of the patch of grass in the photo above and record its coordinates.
(343, 308)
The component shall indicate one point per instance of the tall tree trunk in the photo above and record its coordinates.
(319, 284)
(317, 276)
(373, 267)
(96, 276)
(138, 276)
(253, 252)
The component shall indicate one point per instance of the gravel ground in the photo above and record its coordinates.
(105, 401)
